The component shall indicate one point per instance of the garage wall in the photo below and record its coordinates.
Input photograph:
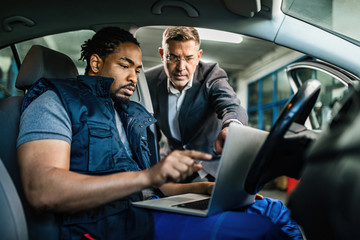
(267, 64)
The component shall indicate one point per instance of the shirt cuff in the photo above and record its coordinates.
(227, 123)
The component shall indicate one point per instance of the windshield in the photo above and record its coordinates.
(338, 16)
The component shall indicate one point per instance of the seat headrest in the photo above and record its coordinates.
(42, 62)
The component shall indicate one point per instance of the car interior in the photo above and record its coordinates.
(42, 62)
(324, 203)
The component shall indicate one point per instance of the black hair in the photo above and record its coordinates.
(104, 42)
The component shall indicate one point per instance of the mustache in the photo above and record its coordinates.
(130, 85)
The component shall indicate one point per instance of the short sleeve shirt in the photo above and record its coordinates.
(45, 118)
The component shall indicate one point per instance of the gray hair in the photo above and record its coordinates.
(180, 33)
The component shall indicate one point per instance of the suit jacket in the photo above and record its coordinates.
(207, 105)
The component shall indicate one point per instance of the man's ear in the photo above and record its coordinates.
(199, 56)
(161, 52)
(200, 53)
(96, 63)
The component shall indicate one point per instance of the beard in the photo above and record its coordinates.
(119, 100)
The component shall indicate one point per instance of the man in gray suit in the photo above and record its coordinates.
(193, 101)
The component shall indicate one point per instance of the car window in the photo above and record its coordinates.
(8, 73)
(263, 92)
(267, 98)
(333, 88)
(68, 43)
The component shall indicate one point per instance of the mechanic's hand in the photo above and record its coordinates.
(220, 140)
(175, 167)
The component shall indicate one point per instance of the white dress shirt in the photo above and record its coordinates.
(176, 98)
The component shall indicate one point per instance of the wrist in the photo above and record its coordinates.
(145, 179)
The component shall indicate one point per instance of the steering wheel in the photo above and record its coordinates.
(268, 163)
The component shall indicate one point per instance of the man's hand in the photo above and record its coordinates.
(259, 197)
(220, 140)
(175, 167)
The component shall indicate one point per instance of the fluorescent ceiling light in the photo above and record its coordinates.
(219, 36)
(207, 60)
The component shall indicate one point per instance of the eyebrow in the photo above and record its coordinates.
(130, 61)
(191, 55)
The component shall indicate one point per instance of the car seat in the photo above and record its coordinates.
(39, 62)
(142, 96)
(12, 222)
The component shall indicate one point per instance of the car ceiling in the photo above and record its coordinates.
(26, 20)
(255, 18)
(29, 19)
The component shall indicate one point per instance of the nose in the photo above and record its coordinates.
(133, 77)
(181, 64)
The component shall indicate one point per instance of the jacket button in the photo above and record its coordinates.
(149, 119)
(140, 125)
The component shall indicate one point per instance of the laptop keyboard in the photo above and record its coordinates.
(200, 204)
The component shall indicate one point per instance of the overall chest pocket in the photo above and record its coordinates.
(100, 148)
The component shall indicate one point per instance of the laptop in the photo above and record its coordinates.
(240, 148)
